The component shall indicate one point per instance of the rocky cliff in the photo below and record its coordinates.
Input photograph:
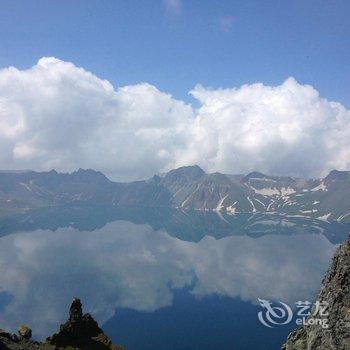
(335, 292)
(80, 332)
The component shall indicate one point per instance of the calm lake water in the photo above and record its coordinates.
(161, 279)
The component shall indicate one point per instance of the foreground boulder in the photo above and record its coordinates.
(335, 292)
(24, 332)
(80, 332)
(21, 341)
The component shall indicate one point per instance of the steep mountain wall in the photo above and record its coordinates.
(335, 292)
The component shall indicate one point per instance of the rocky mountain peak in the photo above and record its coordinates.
(254, 175)
(190, 173)
(335, 175)
(89, 175)
(80, 330)
(75, 310)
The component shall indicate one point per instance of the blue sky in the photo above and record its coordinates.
(193, 82)
(176, 44)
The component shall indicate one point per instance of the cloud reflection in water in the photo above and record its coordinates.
(129, 265)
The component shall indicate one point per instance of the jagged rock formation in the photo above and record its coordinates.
(335, 291)
(24, 332)
(80, 332)
(21, 341)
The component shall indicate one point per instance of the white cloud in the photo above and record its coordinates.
(287, 129)
(56, 115)
(173, 6)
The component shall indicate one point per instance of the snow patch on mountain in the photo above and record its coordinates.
(324, 217)
(286, 191)
(343, 216)
(220, 204)
(266, 191)
(320, 187)
(231, 210)
(252, 204)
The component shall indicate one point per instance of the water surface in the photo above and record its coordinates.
(161, 279)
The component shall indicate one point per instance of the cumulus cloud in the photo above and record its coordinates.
(56, 115)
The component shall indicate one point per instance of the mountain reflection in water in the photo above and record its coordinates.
(137, 261)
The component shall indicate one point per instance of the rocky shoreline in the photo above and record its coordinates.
(335, 292)
(80, 332)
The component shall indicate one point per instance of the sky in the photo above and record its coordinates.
(133, 88)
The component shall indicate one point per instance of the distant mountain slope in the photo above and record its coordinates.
(185, 188)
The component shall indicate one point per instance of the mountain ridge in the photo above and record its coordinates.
(184, 188)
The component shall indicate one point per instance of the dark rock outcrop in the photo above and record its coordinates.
(80, 332)
(24, 332)
(335, 292)
(21, 341)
